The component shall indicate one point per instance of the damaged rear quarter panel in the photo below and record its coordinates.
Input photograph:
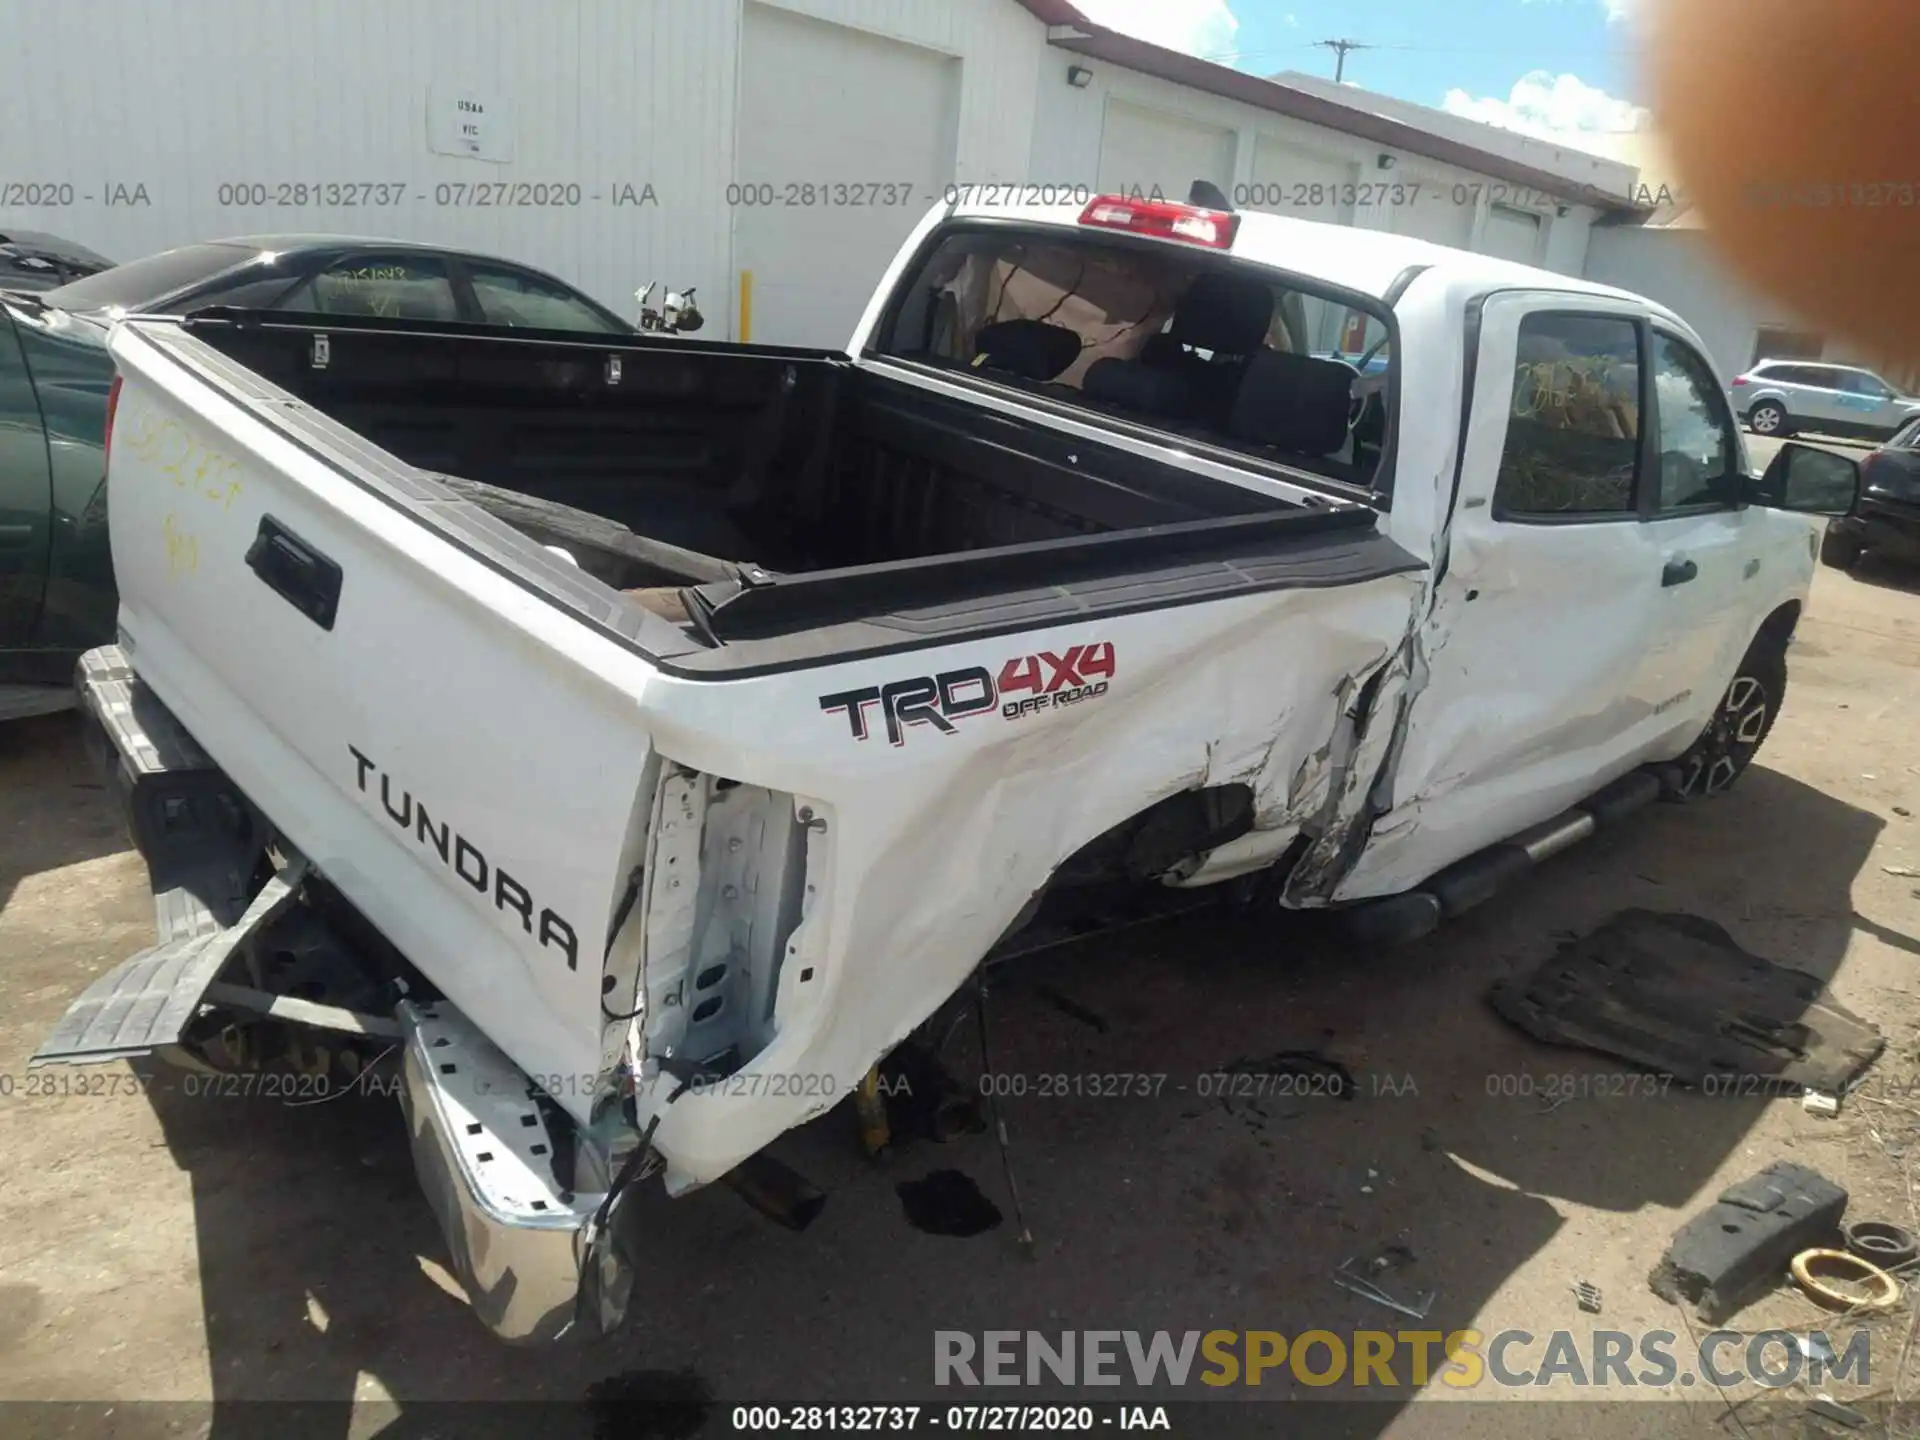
(936, 842)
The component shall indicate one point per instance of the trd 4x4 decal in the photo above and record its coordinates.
(1026, 685)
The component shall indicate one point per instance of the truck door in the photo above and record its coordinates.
(1544, 677)
(26, 494)
(1708, 554)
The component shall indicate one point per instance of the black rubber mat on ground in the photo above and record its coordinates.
(1674, 993)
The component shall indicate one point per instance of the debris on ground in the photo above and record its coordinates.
(1739, 1247)
(1881, 1241)
(1356, 1280)
(1072, 1008)
(1587, 1296)
(1286, 1074)
(1906, 872)
(1843, 1281)
(1828, 1408)
(1816, 1102)
(1675, 993)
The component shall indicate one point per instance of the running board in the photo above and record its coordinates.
(1397, 919)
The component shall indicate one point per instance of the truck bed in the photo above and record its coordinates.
(787, 489)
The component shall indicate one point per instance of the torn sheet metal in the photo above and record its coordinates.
(1675, 993)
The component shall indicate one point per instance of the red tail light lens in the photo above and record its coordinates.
(1163, 220)
(113, 405)
(1739, 380)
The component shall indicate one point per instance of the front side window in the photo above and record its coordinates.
(1573, 430)
(391, 287)
(1697, 453)
(1859, 382)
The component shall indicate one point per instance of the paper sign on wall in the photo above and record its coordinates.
(469, 121)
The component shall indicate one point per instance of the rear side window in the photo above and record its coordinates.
(1573, 432)
(514, 297)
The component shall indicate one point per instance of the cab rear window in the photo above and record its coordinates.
(1157, 335)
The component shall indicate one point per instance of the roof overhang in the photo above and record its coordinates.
(1068, 29)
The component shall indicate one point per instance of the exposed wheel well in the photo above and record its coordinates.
(1777, 628)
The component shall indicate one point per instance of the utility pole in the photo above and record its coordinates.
(1340, 49)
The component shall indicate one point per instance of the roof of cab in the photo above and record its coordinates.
(1367, 261)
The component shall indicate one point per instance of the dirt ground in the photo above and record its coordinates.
(155, 1246)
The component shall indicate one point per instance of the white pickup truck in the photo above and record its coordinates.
(645, 737)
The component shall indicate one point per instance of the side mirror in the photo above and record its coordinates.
(1810, 481)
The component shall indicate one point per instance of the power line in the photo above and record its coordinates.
(1340, 49)
(1223, 56)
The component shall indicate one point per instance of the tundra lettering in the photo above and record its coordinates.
(463, 857)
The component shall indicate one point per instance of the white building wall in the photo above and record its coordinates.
(180, 97)
(1069, 124)
(1676, 268)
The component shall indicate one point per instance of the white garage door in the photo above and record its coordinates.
(1512, 235)
(1144, 149)
(1441, 213)
(1290, 181)
(824, 106)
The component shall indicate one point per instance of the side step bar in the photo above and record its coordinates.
(1397, 919)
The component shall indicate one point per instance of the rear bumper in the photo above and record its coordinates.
(536, 1266)
(526, 1248)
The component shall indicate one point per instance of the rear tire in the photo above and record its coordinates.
(1740, 724)
(1842, 552)
(1769, 417)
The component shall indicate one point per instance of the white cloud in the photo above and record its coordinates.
(1619, 12)
(1548, 105)
(1199, 27)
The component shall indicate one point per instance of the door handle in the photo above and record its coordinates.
(296, 572)
(16, 537)
(1678, 572)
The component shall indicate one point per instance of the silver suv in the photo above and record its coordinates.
(1778, 397)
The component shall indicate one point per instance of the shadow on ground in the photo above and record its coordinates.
(318, 1260)
(71, 821)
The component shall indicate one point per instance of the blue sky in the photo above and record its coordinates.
(1544, 66)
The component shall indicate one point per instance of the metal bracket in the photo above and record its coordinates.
(322, 352)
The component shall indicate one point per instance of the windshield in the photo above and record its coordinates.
(1169, 337)
(139, 283)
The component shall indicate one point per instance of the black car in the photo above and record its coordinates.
(339, 275)
(56, 574)
(35, 260)
(1886, 517)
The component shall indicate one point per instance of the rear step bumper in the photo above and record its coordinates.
(539, 1262)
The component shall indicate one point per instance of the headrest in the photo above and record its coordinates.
(1031, 349)
(1227, 314)
(1146, 388)
(1293, 402)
